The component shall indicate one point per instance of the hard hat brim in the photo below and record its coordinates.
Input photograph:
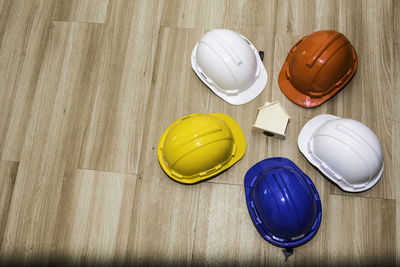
(247, 95)
(304, 139)
(249, 180)
(240, 144)
(304, 100)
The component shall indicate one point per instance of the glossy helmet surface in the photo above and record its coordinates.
(317, 67)
(229, 64)
(283, 202)
(199, 146)
(344, 150)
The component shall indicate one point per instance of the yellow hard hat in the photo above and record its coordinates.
(199, 146)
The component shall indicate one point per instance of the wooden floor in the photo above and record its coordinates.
(87, 88)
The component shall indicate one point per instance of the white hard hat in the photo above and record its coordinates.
(345, 150)
(230, 66)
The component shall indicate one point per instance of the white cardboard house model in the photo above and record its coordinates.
(272, 119)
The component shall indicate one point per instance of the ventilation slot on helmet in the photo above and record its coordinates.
(298, 43)
(255, 213)
(345, 76)
(318, 52)
(278, 239)
(317, 221)
(232, 92)
(330, 172)
(298, 237)
(206, 172)
(205, 77)
(185, 118)
(314, 192)
(211, 170)
(247, 41)
(258, 221)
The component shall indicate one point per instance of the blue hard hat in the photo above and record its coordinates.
(283, 202)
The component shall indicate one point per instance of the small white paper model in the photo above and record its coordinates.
(272, 119)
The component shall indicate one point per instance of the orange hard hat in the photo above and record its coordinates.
(317, 67)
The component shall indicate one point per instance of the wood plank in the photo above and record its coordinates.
(396, 55)
(23, 34)
(396, 169)
(396, 118)
(348, 234)
(299, 17)
(225, 234)
(396, 23)
(83, 105)
(59, 117)
(5, 12)
(361, 231)
(191, 14)
(303, 17)
(94, 218)
(113, 139)
(364, 102)
(232, 14)
(165, 211)
(8, 172)
(94, 11)
(163, 221)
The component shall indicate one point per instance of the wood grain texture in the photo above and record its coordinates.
(232, 14)
(396, 55)
(163, 221)
(113, 138)
(23, 34)
(8, 172)
(88, 87)
(165, 212)
(354, 234)
(94, 11)
(222, 234)
(396, 119)
(396, 169)
(54, 137)
(101, 204)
